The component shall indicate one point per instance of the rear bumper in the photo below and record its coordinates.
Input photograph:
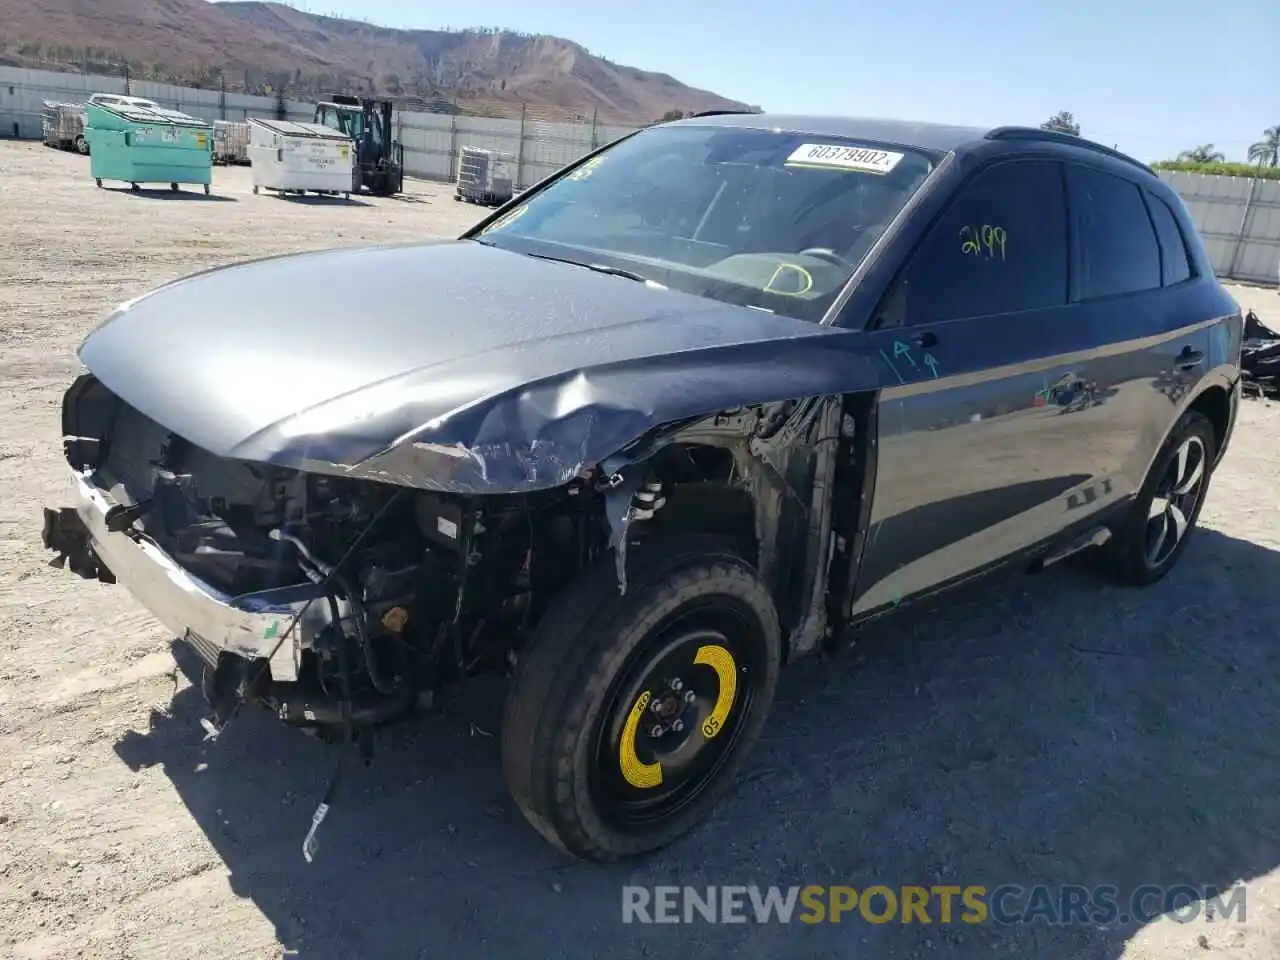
(248, 626)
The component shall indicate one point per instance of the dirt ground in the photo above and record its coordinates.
(1040, 730)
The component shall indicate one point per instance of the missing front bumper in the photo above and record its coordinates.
(248, 626)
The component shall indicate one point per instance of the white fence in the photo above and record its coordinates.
(1239, 219)
(536, 148)
(23, 92)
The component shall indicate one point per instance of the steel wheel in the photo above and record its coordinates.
(1175, 501)
(676, 714)
(628, 714)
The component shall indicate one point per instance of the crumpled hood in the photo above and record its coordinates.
(491, 368)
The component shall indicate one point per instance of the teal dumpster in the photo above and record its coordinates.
(139, 145)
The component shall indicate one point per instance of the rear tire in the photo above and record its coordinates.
(629, 715)
(1155, 533)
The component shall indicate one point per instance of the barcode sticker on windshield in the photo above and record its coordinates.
(843, 158)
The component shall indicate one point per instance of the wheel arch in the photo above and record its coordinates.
(713, 486)
(765, 478)
(705, 494)
(1215, 403)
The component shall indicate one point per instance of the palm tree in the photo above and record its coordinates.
(1202, 154)
(1266, 152)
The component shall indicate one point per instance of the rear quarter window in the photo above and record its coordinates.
(1119, 253)
(1174, 260)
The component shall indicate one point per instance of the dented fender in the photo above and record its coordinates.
(542, 435)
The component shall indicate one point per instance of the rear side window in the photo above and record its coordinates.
(1173, 248)
(1118, 249)
(1000, 247)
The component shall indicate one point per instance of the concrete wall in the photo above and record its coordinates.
(1239, 219)
(431, 141)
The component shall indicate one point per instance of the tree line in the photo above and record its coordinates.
(1262, 158)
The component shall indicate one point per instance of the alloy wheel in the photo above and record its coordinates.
(1174, 503)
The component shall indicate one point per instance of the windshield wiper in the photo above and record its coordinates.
(599, 268)
(619, 272)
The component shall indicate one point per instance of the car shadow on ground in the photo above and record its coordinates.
(1046, 730)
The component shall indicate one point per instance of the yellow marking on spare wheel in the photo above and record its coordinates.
(639, 774)
(721, 661)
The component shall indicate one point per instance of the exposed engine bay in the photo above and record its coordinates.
(407, 589)
(432, 582)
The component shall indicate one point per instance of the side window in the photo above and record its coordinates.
(1118, 249)
(1173, 248)
(1000, 247)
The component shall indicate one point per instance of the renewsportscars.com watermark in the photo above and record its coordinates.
(1007, 904)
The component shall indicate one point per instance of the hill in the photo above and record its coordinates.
(267, 47)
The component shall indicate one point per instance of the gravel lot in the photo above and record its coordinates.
(1038, 730)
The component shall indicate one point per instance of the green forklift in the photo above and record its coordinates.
(379, 158)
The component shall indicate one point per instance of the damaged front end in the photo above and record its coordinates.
(328, 600)
(340, 602)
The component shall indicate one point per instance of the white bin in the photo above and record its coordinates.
(294, 157)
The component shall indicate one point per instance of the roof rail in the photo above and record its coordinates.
(1055, 136)
(724, 113)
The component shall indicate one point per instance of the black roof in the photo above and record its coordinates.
(937, 137)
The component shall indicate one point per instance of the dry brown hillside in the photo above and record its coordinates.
(265, 47)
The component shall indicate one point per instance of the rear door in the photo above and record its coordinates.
(977, 456)
(1132, 263)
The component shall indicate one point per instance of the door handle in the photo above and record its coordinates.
(1189, 359)
(925, 340)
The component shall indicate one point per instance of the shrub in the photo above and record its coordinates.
(1220, 169)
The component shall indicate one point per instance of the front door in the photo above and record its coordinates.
(980, 443)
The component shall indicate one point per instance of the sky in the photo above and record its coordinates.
(1153, 78)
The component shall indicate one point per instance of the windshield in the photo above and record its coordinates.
(777, 221)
